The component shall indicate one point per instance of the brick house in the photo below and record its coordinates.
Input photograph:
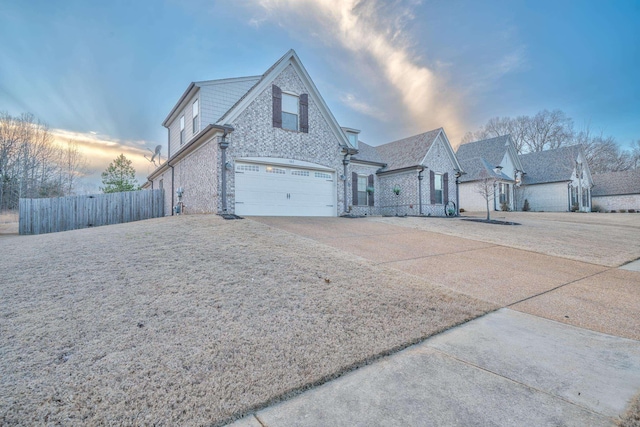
(269, 145)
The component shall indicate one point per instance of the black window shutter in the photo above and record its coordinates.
(370, 184)
(432, 187)
(304, 113)
(445, 188)
(277, 106)
(354, 189)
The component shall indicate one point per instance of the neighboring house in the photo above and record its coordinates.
(617, 190)
(269, 145)
(495, 159)
(557, 180)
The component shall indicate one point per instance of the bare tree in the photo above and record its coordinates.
(548, 130)
(72, 165)
(486, 187)
(603, 153)
(28, 160)
(635, 155)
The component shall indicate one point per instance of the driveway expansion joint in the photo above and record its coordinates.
(436, 255)
(555, 396)
(558, 287)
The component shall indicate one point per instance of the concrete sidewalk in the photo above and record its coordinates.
(506, 368)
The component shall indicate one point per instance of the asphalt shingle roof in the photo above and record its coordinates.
(550, 165)
(616, 183)
(407, 152)
(476, 157)
(368, 153)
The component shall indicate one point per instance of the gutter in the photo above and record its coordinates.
(407, 169)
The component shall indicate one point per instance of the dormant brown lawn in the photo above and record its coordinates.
(193, 320)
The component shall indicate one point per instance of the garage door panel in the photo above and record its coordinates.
(268, 190)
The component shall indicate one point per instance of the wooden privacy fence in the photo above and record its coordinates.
(38, 216)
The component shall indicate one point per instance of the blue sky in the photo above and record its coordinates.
(107, 72)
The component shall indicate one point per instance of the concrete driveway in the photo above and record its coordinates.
(563, 351)
(596, 297)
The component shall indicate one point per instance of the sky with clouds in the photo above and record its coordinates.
(106, 73)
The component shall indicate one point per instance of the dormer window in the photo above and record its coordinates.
(353, 139)
(352, 136)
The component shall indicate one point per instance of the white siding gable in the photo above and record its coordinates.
(508, 167)
(174, 125)
(219, 96)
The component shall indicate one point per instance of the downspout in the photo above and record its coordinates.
(224, 144)
(420, 178)
(345, 162)
(458, 175)
(172, 188)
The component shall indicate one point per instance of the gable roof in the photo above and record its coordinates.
(616, 183)
(407, 152)
(479, 157)
(289, 58)
(547, 166)
(367, 153)
(412, 151)
(224, 92)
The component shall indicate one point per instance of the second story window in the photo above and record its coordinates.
(195, 108)
(181, 130)
(290, 110)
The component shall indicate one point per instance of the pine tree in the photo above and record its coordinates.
(119, 176)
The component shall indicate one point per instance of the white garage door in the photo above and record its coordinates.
(273, 190)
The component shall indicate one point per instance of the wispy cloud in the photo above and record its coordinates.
(352, 102)
(375, 32)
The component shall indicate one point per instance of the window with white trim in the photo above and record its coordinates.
(503, 192)
(322, 175)
(300, 173)
(181, 130)
(290, 111)
(438, 185)
(195, 109)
